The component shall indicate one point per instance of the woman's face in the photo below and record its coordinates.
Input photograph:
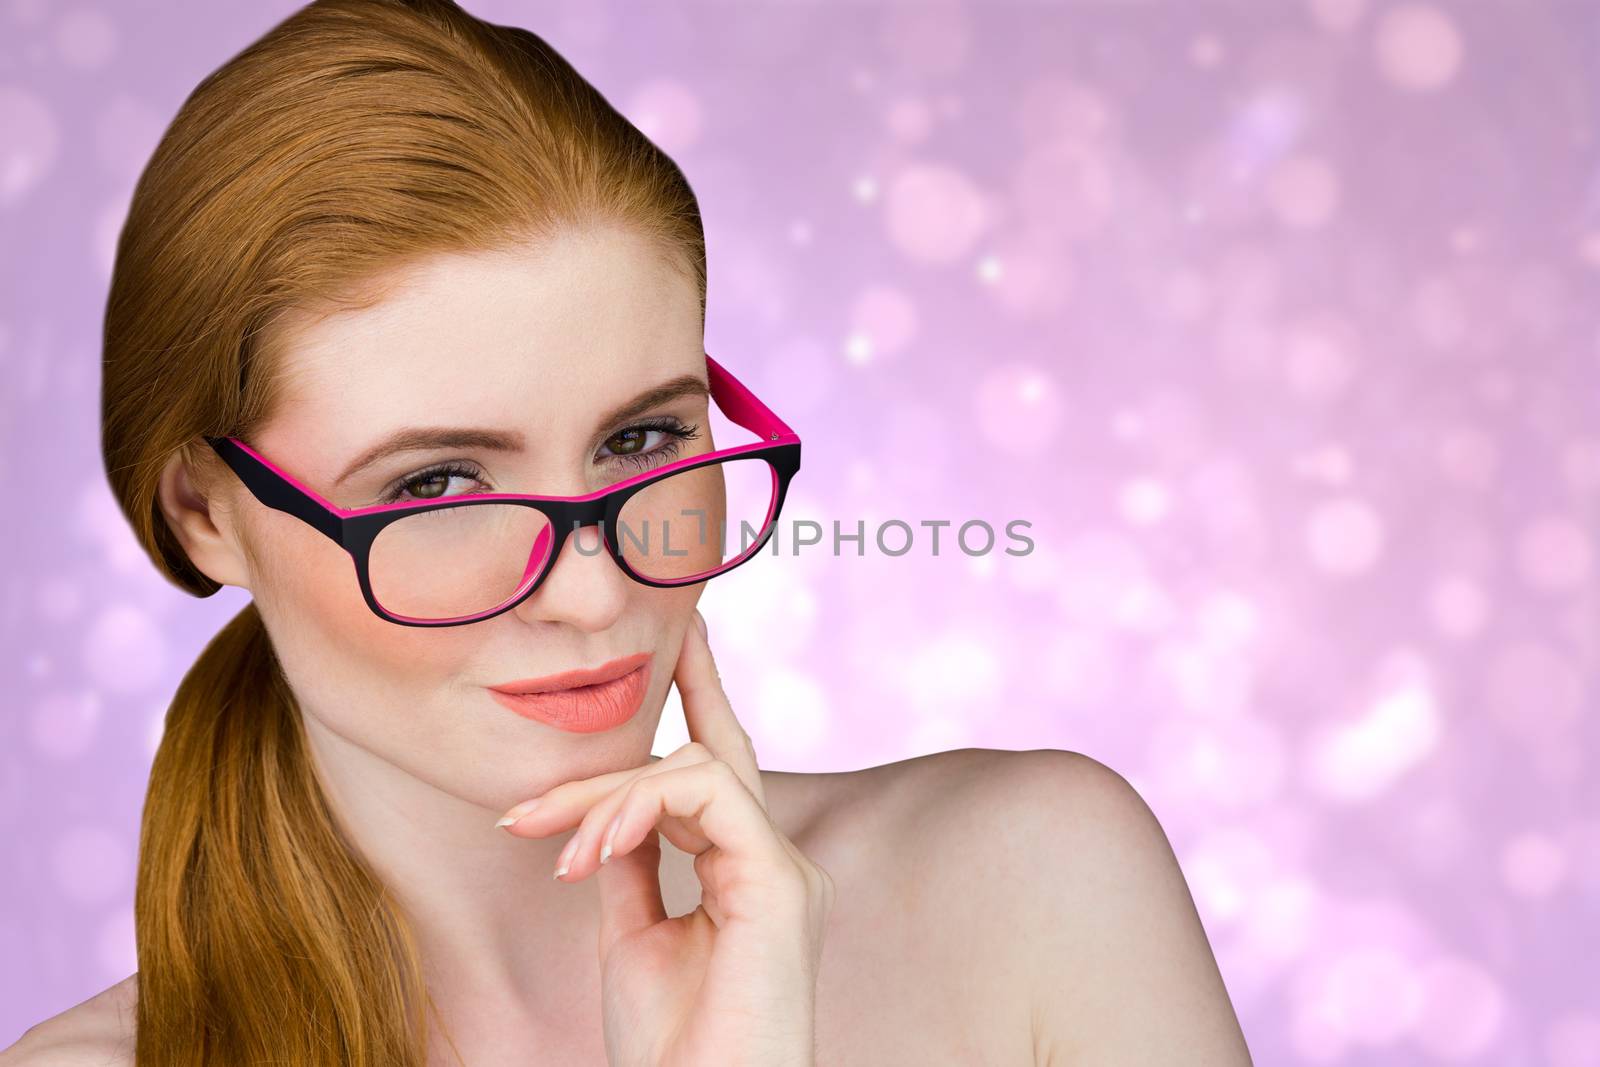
(541, 344)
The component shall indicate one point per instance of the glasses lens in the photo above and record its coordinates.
(697, 522)
(452, 562)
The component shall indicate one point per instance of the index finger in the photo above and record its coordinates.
(707, 711)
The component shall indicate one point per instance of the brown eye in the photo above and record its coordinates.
(433, 483)
(439, 481)
(633, 439)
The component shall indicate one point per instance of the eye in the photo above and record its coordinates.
(630, 446)
(430, 484)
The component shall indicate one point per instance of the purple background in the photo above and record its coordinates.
(1275, 319)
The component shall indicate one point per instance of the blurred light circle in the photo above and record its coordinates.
(1468, 456)
(932, 37)
(1282, 916)
(1186, 294)
(800, 370)
(1533, 865)
(124, 650)
(792, 710)
(59, 598)
(1441, 314)
(1345, 536)
(1338, 15)
(1206, 679)
(1097, 568)
(1532, 690)
(126, 131)
(1065, 189)
(1458, 606)
(952, 672)
(668, 112)
(1172, 425)
(1555, 553)
(1232, 762)
(1228, 621)
(938, 733)
(935, 213)
(90, 864)
(1360, 759)
(1224, 493)
(1144, 501)
(29, 139)
(1303, 192)
(1418, 47)
(1018, 406)
(1330, 464)
(116, 944)
(1227, 869)
(1573, 1040)
(1206, 51)
(1314, 1034)
(101, 522)
(886, 316)
(1079, 667)
(1463, 1009)
(1317, 361)
(921, 458)
(64, 724)
(909, 119)
(1057, 107)
(1375, 994)
(1027, 278)
(85, 38)
(1580, 463)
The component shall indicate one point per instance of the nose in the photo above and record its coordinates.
(584, 587)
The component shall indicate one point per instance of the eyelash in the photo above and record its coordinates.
(677, 432)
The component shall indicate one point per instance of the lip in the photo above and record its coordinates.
(606, 672)
(581, 701)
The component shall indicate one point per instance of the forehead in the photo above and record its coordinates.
(543, 337)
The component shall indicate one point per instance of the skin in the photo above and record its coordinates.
(999, 907)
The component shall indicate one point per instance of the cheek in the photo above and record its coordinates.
(342, 660)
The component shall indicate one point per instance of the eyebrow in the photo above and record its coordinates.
(421, 438)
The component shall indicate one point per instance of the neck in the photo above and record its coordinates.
(495, 930)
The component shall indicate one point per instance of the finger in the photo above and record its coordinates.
(574, 796)
(712, 799)
(708, 713)
(706, 799)
(592, 824)
(630, 893)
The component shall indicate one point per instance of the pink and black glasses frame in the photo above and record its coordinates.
(354, 530)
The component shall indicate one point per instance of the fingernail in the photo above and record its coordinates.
(517, 812)
(566, 857)
(611, 831)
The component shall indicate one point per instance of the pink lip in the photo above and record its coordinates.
(581, 701)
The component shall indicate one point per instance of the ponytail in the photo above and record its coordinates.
(251, 910)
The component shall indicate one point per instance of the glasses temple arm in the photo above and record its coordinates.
(743, 406)
(276, 489)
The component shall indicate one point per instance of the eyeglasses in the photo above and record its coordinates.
(451, 561)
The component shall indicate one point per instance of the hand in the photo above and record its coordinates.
(734, 981)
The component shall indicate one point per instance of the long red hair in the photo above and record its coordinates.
(352, 137)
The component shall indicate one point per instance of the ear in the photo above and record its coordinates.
(202, 519)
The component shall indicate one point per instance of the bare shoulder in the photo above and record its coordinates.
(1084, 895)
(96, 1033)
(813, 803)
(901, 978)
(1046, 871)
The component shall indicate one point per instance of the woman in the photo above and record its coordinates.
(386, 217)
